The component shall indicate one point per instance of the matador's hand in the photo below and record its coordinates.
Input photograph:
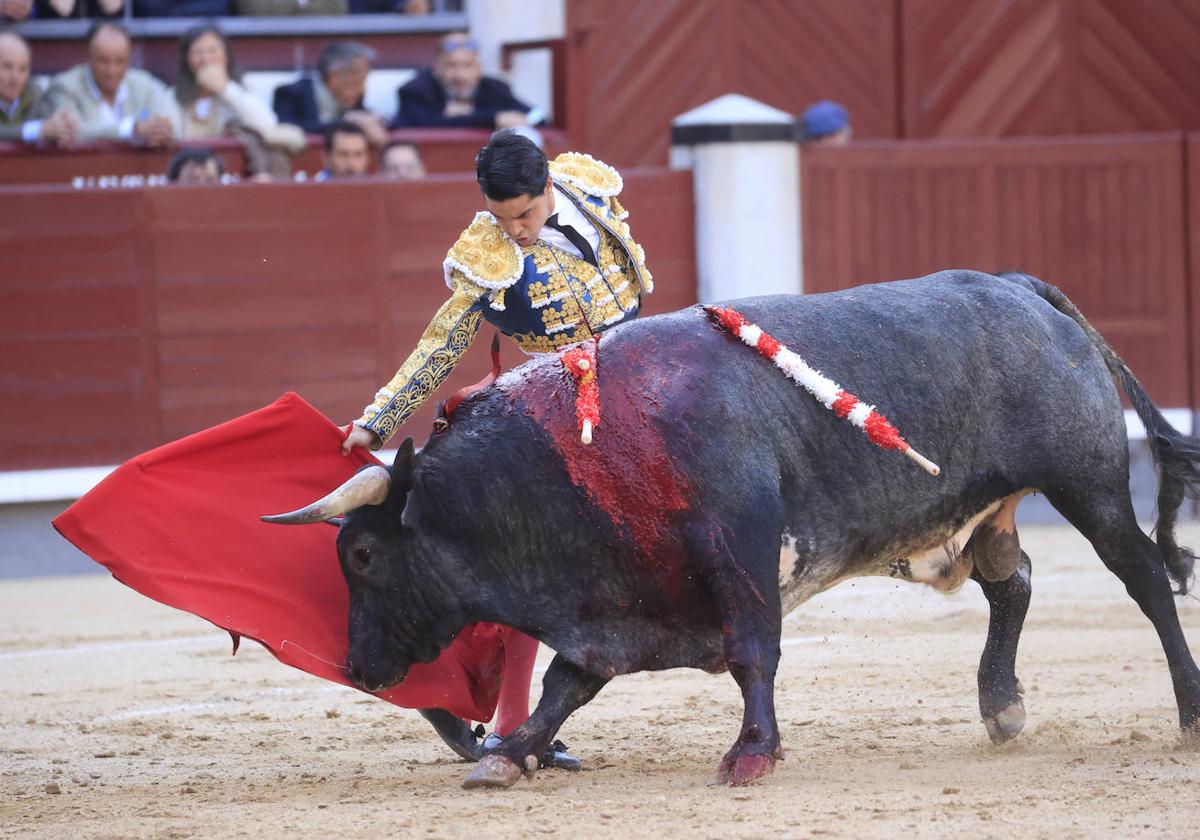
(358, 437)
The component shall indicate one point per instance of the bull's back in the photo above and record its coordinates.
(978, 373)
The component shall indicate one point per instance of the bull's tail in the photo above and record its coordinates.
(1176, 454)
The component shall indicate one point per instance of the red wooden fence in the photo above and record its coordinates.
(1102, 217)
(904, 68)
(132, 317)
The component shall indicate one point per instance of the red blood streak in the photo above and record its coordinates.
(627, 471)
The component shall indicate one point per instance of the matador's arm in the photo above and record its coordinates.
(445, 340)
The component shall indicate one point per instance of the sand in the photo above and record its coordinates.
(124, 718)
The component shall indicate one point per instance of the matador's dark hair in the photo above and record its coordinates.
(511, 165)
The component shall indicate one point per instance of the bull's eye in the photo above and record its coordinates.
(360, 559)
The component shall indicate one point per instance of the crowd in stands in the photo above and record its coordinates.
(58, 9)
(103, 98)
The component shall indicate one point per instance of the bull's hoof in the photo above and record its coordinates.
(744, 769)
(492, 771)
(1007, 723)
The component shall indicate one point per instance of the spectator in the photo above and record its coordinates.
(195, 166)
(181, 8)
(378, 7)
(209, 101)
(456, 93)
(111, 100)
(25, 114)
(401, 161)
(15, 9)
(347, 152)
(52, 9)
(271, 8)
(335, 93)
(825, 123)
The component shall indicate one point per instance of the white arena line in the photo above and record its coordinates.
(203, 641)
(103, 647)
(160, 711)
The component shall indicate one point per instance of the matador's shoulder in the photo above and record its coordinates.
(484, 255)
(585, 173)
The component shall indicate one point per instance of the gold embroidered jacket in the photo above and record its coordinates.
(542, 297)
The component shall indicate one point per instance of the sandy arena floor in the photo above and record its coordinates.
(124, 718)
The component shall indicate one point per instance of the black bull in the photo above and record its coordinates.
(717, 496)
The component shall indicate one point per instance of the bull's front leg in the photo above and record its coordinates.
(565, 688)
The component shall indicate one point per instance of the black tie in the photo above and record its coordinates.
(575, 238)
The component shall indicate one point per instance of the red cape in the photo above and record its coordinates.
(180, 524)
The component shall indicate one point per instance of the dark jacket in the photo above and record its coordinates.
(297, 104)
(181, 8)
(423, 100)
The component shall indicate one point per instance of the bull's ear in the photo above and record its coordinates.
(402, 467)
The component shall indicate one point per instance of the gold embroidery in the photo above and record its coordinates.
(552, 289)
(446, 338)
(485, 255)
(562, 317)
(592, 176)
(530, 343)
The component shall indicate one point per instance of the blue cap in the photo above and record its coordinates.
(824, 118)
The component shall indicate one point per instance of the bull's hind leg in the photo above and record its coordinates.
(1000, 702)
(565, 688)
(1108, 521)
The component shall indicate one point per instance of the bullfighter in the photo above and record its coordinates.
(550, 263)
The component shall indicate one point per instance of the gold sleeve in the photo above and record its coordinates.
(445, 340)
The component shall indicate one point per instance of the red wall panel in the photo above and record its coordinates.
(1101, 217)
(132, 317)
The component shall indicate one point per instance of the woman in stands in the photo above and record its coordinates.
(208, 100)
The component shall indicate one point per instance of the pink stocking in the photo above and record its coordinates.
(513, 705)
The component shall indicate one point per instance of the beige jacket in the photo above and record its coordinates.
(142, 95)
(235, 106)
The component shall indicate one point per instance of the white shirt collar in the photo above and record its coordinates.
(118, 101)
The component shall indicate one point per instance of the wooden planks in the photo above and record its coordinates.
(1100, 217)
(133, 317)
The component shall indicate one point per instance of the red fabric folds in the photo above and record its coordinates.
(180, 524)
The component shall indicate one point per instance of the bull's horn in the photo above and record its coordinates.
(365, 487)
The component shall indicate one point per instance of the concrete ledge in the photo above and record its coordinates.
(22, 487)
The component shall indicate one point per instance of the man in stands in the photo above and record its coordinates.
(455, 93)
(272, 8)
(335, 93)
(347, 152)
(825, 123)
(112, 101)
(401, 161)
(195, 166)
(25, 114)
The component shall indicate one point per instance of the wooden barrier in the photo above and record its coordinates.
(443, 150)
(1101, 217)
(132, 317)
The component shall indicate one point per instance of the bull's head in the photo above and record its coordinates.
(401, 609)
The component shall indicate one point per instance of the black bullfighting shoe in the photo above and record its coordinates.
(555, 756)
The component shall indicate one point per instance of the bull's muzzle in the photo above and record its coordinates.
(366, 487)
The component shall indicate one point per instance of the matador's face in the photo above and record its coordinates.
(522, 217)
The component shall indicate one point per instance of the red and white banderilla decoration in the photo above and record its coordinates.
(580, 362)
(827, 392)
